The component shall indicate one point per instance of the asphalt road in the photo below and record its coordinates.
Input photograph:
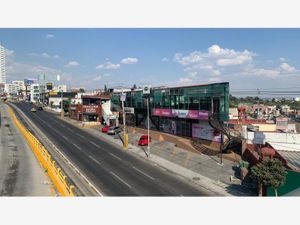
(113, 172)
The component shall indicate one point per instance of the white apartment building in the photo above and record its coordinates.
(2, 65)
(35, 93)
(11, 88)
(20, 83)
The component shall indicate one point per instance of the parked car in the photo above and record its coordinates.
(40, 108)
(105, 129)
(144, 140)
(114, 130)
(33, 109)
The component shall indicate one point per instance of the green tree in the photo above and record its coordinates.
(105, 88)
(134, 86)
(270, 173)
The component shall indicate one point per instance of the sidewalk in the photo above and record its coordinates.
(201, 169)
(20, 172)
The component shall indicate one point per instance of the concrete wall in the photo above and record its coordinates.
(266, 127)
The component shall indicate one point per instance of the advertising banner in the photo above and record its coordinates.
(163, 112)
(28, 82)
(205, 132)
(49, 86)
(179, 113)
(90, 108)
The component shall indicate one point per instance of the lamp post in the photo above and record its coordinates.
(125, 137)
(148, 147)
(61, 103)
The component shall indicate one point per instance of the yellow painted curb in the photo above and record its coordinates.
(55, 173)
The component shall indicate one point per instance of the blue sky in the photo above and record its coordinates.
(247, 58)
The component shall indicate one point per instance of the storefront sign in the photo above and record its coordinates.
(205, 132)
(163, 112)
(187, 114)
(90, 108)
(129, 110)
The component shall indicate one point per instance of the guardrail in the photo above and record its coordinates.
(55, 173)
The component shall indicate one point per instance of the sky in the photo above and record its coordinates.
(249, 59)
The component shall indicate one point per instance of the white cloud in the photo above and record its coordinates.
(49, 36)
(97, 78)
(108, 66)
(215, 56)
(214, 80)
(46, 55)
(9, 53)
(185, 80)
(129, 60)
(287, 68)
(165, 59)
(72, 64)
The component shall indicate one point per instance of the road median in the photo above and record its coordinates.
(56, 174)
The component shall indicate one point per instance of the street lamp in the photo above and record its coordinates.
(125, 138)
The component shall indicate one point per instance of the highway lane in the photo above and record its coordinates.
(115, 172)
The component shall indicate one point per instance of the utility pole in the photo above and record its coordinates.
(125, 137)
(148, 147)
(61, 103)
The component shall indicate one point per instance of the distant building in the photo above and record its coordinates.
(20, 84)
(35, 93)
(11, 89)
(59, 88)
(2, 65)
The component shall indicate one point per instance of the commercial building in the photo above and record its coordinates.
(92, 108)
(181, 110)
(2, 65)
(11, 89)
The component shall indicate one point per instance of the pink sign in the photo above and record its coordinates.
(179, 113)
(163, 112)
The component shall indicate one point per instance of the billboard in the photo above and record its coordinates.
(28, 81)
(49, 86)
(206, 132)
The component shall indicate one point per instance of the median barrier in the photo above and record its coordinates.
(55, 173)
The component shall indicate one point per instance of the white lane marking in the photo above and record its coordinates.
(95, 160)
(81, 136)
(77, 146)
(93, 143)
(120, 179)
(65, 137)
(115, 156)
(152, 178)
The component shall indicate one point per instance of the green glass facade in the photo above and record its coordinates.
(213, 98)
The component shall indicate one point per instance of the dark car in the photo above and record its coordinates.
(114, 130)
(40, 108)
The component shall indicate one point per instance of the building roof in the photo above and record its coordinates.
(106, 97)
(247, 121)
(292, 157)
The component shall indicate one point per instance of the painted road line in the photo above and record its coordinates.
(77, 146)
(95, 160)
(120, 179)
(81, 136)
(93, 143)
(115, 156)
(152, 178)
(65, 137)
